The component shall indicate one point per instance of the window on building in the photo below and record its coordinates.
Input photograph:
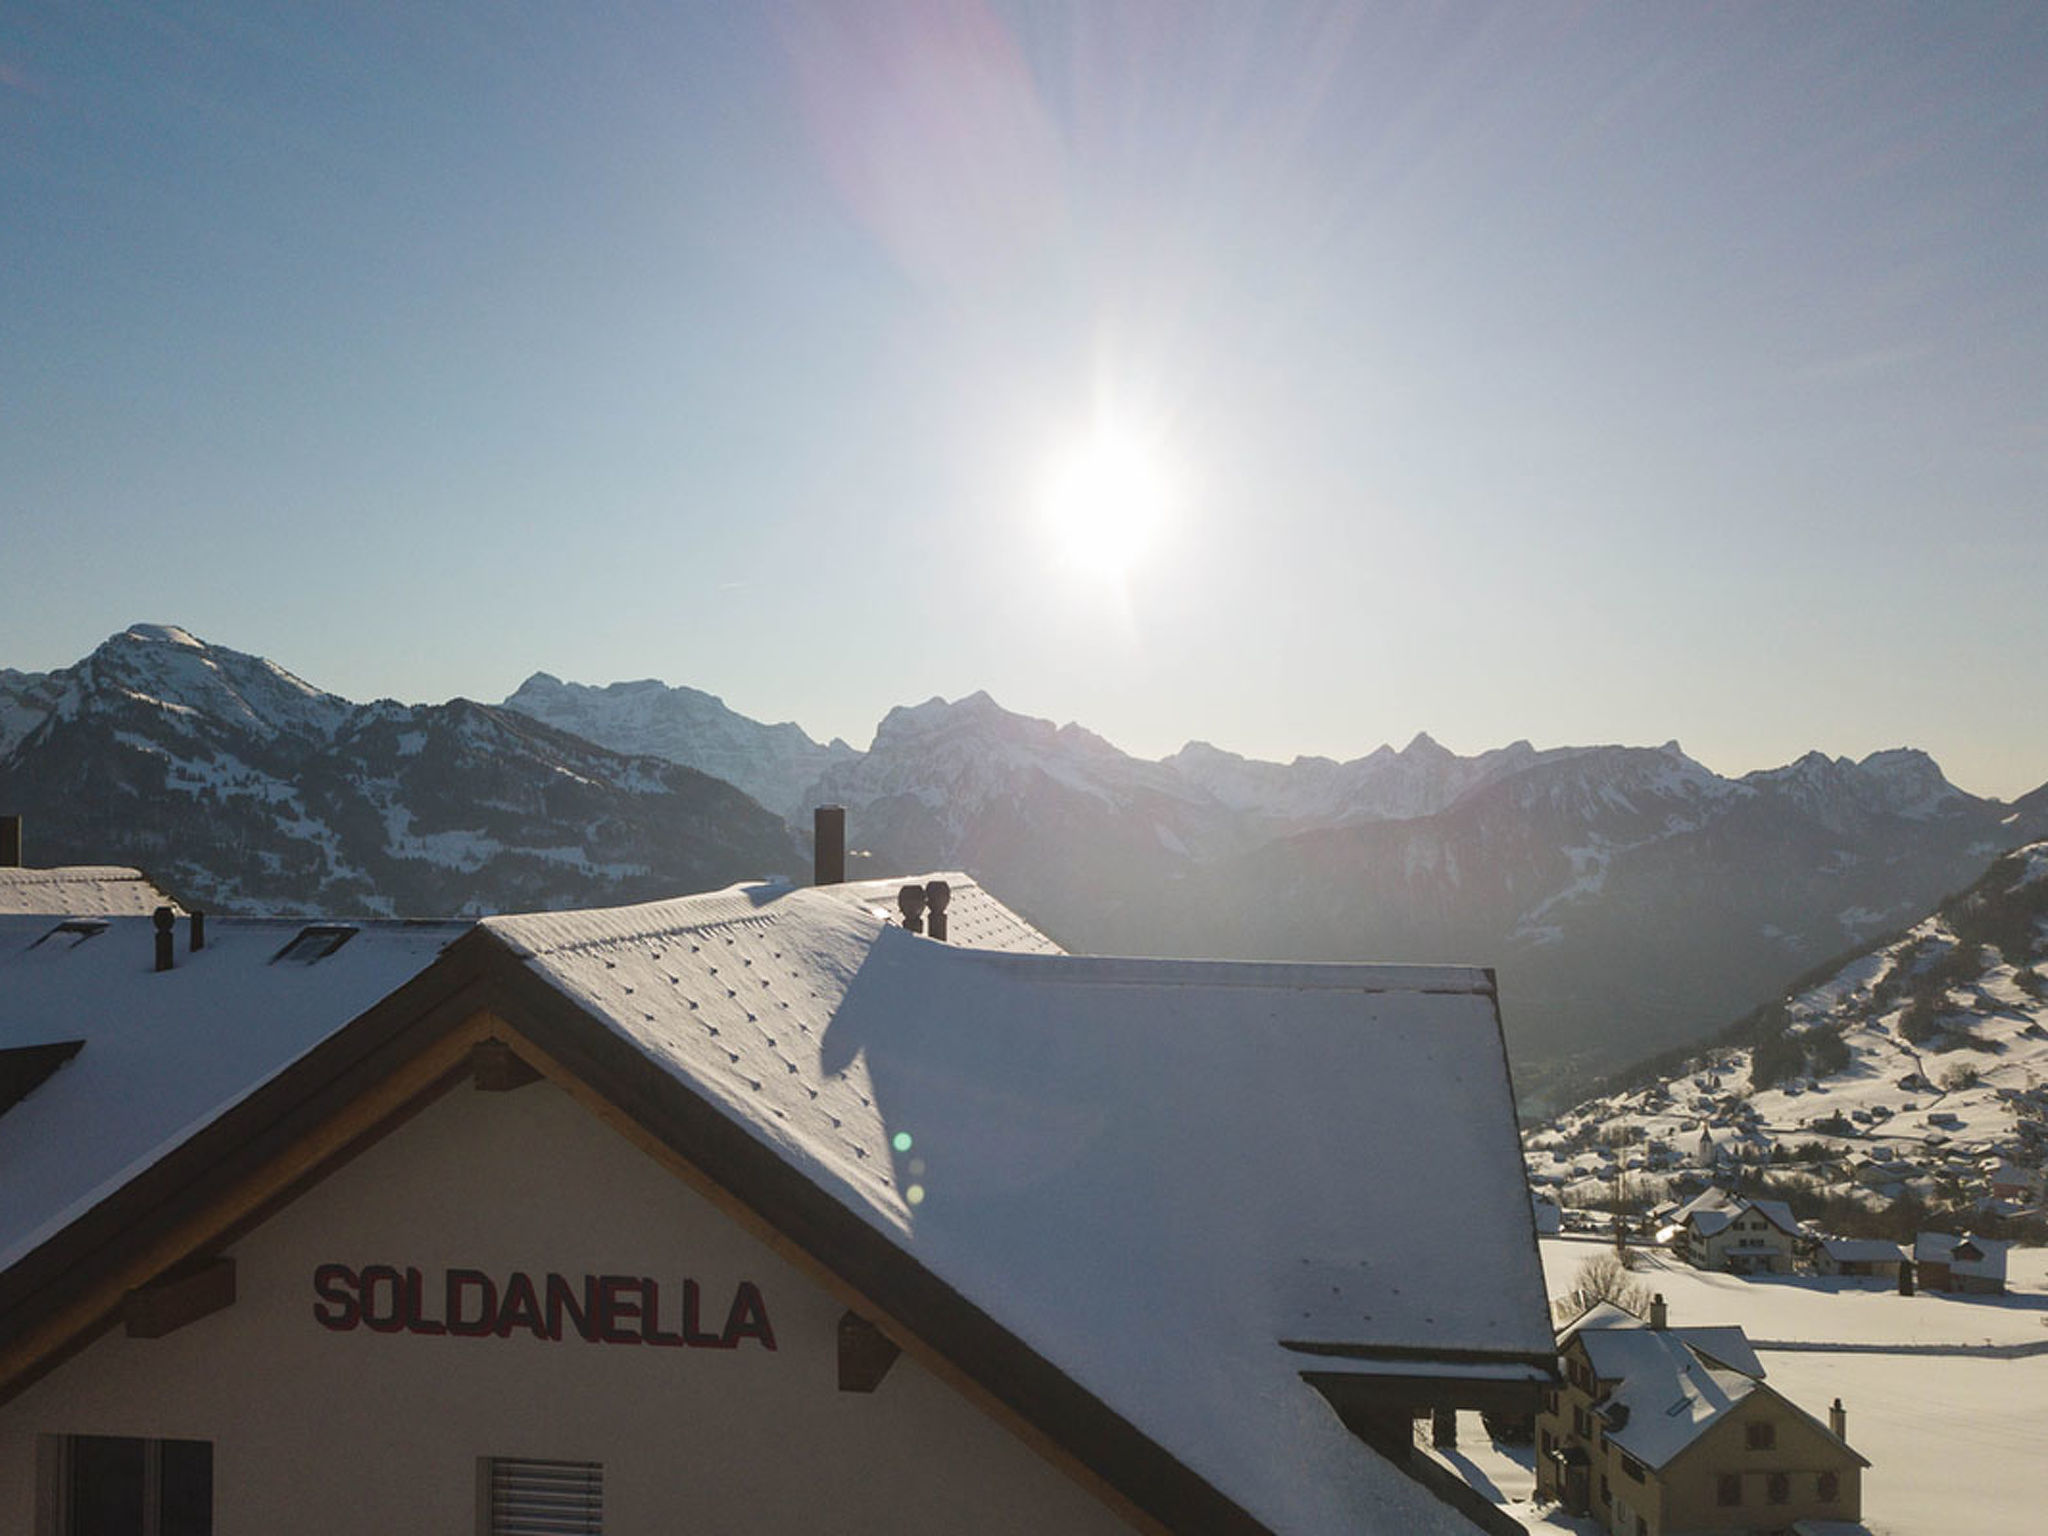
(1631, 1466)
(522, 1497)
(314, 942)
(1830, 1487)
(1778, 1488)
(1728, 1489)
(115, 1485)
(1606, 1496)
(1761, 1436)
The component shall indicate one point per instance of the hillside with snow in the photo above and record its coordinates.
(1914, 1072)
(243, 788)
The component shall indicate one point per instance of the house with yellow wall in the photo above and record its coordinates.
(1661, 1431)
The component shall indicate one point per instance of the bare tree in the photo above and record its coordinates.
(1603, 1277)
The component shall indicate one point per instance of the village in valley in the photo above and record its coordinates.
(1793, 1271)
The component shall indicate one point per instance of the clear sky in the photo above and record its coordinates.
(1575, 372)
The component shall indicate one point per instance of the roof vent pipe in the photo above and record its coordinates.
(10, 842)
(910, 902)
(1659, 1316)
(936, 894)
(828, 845)
(1838, 1421)
(165, 920)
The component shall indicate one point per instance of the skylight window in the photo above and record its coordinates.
(314, 942)
(75, 929)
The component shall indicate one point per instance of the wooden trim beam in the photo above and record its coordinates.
(183, 1295)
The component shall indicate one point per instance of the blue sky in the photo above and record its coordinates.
(1580, 373)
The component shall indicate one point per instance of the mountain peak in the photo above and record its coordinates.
(937, 716)
(170, 668)
(1428, 747)
(162, 634)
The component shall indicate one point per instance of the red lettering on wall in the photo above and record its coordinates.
(650, 1320)
(748, 1318)
(693, 1335)
(521, 1308)
(416, 1320)
(618, 1303)
(561, 1299)
(486, 1321)
(335, 1285)
(387, 1321)
(610, 1309)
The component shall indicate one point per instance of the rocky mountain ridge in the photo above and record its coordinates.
(775, 764)
(1629, 897)
(243, 788)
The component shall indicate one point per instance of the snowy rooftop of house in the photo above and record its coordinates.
(1674, 1382)
(1861, 1250)
(1151, 1172)
(1940, 1248)
(1713, 1210)
(159, 1054)
(81, 890)
(1724, 1343)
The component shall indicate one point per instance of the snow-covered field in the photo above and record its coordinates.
(1954, 1432)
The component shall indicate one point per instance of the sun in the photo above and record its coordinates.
(1105, 501)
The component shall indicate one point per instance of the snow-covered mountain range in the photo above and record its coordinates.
(1630, 897)
(244, 788)
(775, 764)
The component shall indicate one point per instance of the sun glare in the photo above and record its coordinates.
(1105, 501)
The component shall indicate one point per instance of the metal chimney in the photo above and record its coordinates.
(1838, 1421)
(910, 902)
(828, 845)
(166, 941)
(936, 894)
(1659, 1315)
(10, 842)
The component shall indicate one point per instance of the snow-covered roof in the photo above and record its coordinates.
(1713, 1210)
(1940, 1248)
(1724, 1344)
(1180, 1187)
(1151, 1172)
(1669, 1394)
(80, 890)
(1777, 1213)
(1861, 1250)
(161, 1053)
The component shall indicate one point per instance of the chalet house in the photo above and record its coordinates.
(1658, 1431)
(1867, 1256)
(1717, 1230)
(750, 1211)
(1970, 1266)
(2009, 1181)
